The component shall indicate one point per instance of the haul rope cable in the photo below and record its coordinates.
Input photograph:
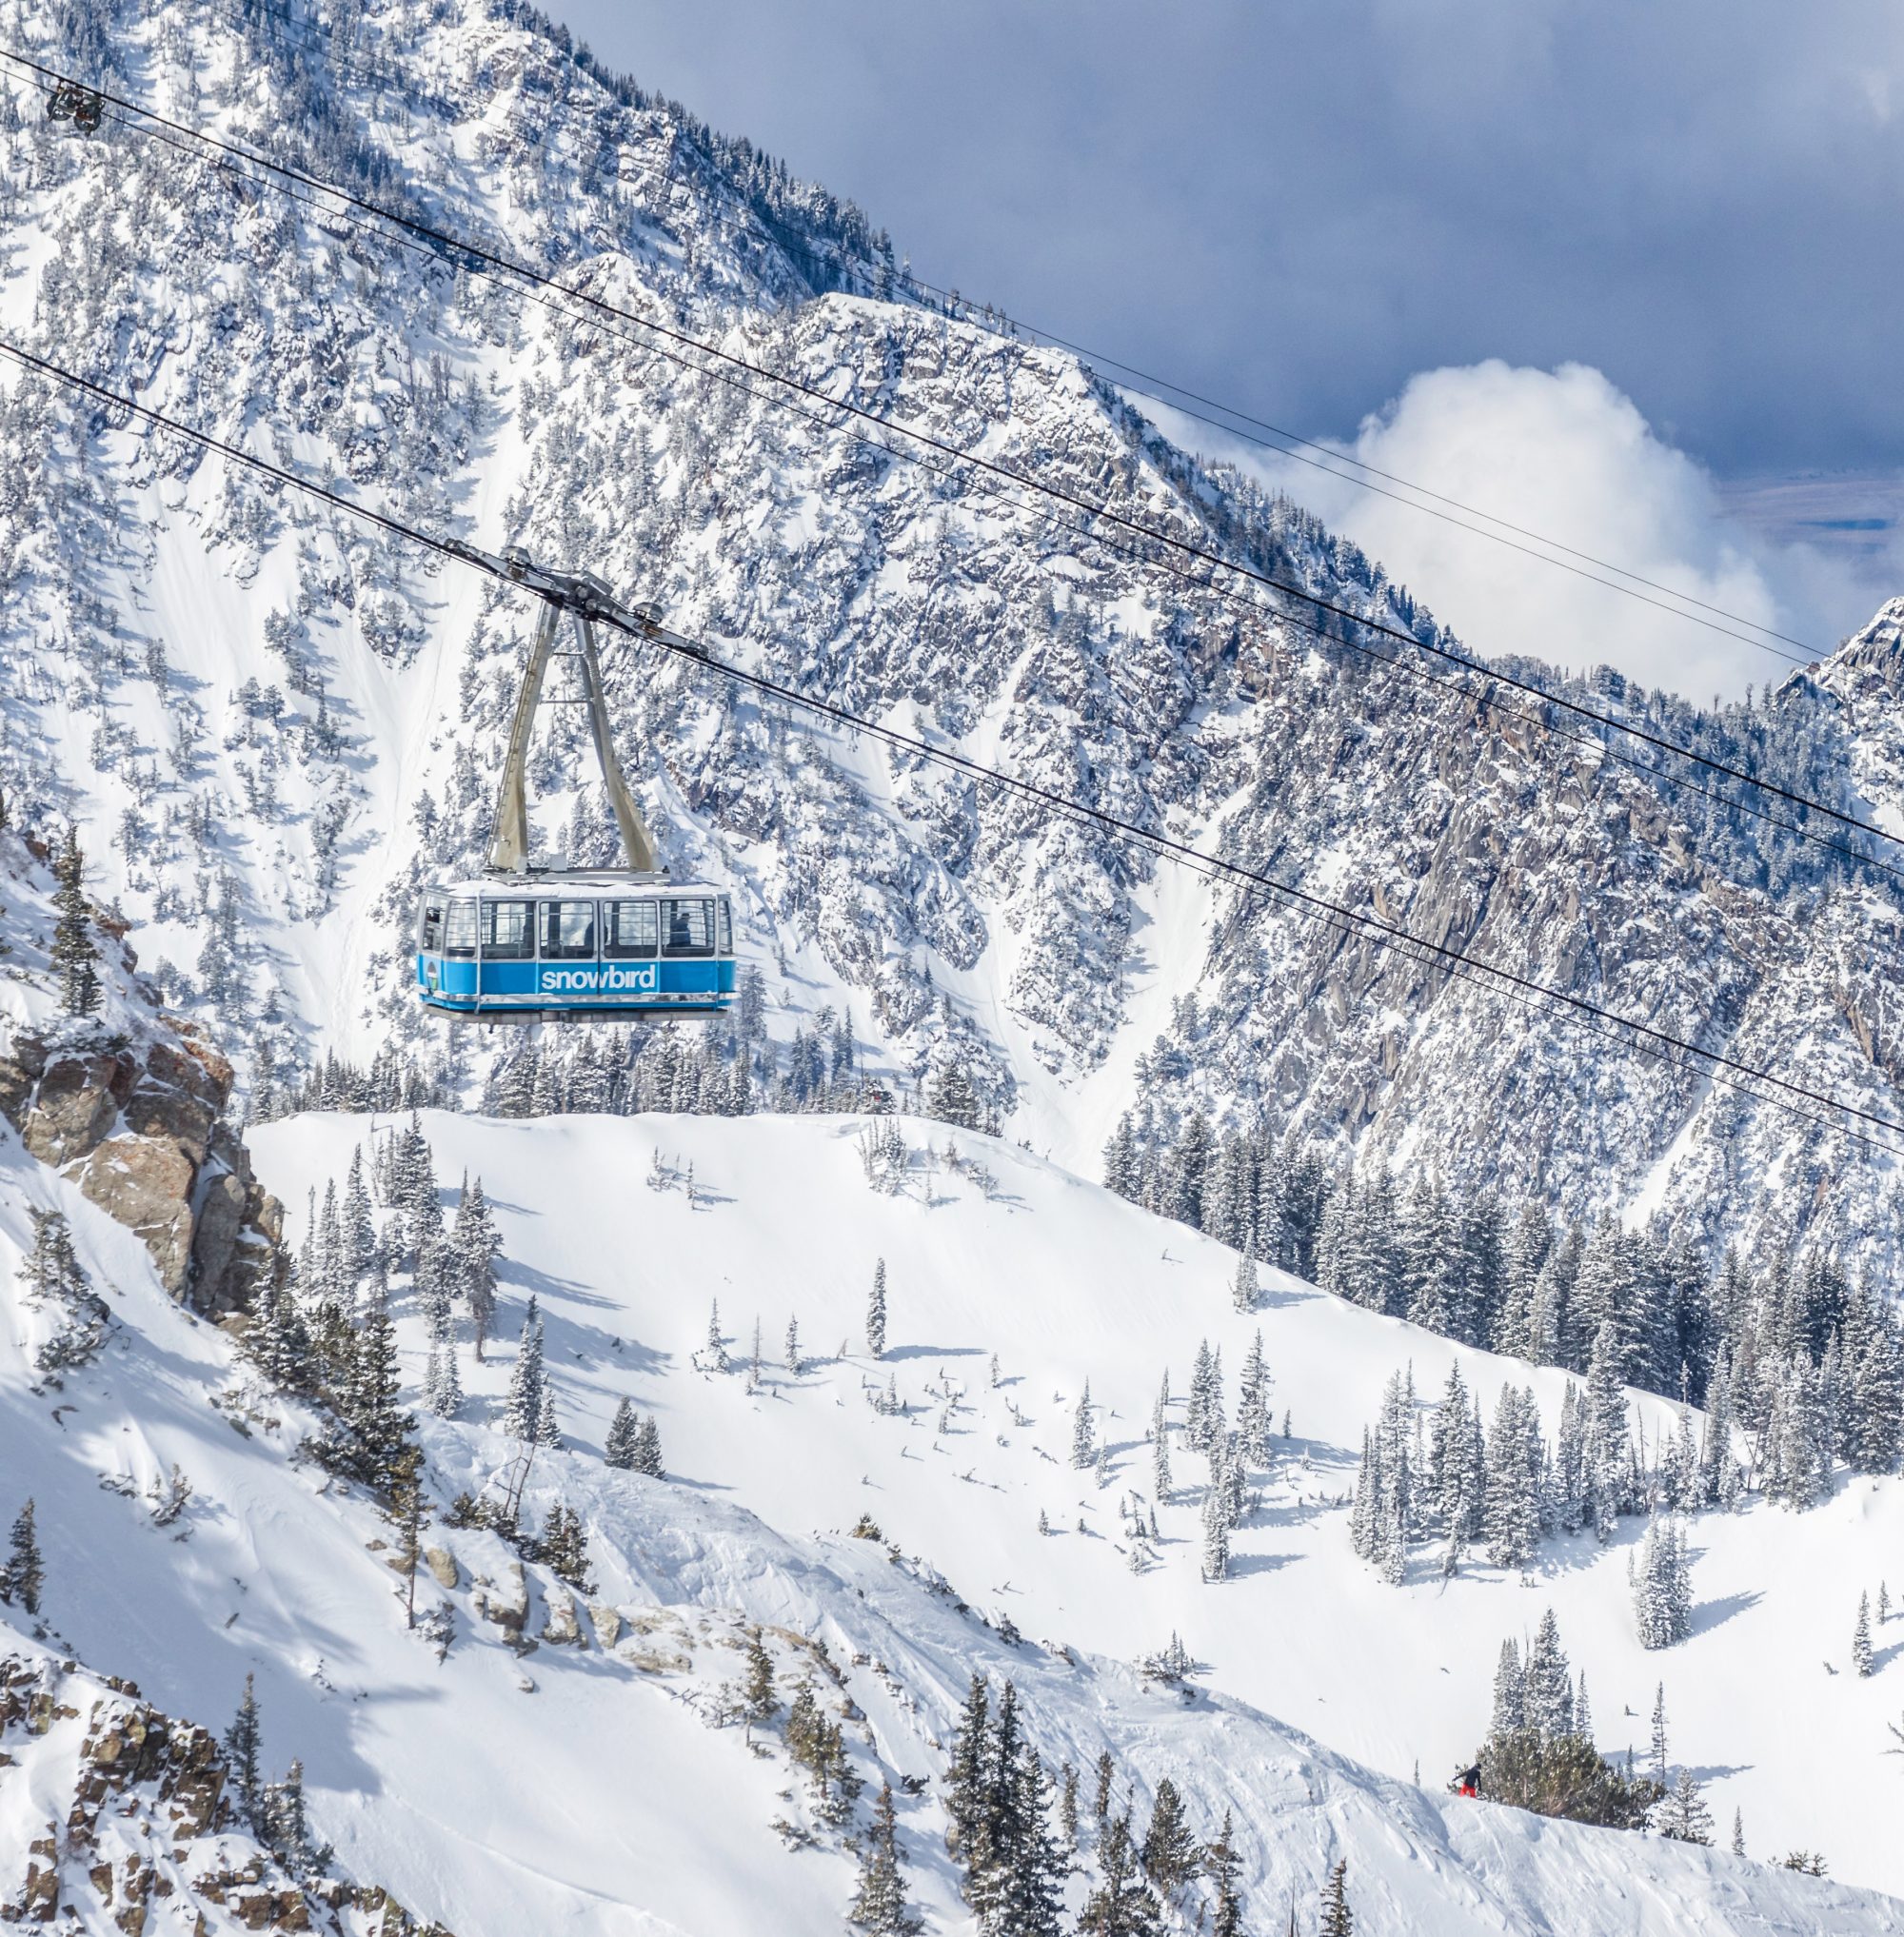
(476, 252)
(309, 32)
(1484, 698)
(1522, 990)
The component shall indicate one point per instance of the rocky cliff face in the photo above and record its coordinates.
(143, 1835)
(140, 1129)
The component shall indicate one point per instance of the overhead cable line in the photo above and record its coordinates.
(456, 248)
(1482, 697)
(311, 33)
(222, 157)
(1727, 1072)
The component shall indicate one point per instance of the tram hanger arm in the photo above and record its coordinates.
(581, 593)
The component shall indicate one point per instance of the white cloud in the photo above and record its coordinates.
(1565, 454)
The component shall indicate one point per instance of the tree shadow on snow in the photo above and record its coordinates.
(1710, 1614)
(933, 1351)
(1242, 1565)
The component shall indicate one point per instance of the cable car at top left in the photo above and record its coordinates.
(84, 107)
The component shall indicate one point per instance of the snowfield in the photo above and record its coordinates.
(1062, 1283)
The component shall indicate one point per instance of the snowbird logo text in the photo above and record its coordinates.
(599, 981)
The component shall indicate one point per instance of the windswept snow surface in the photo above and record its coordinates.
(1064, 1282)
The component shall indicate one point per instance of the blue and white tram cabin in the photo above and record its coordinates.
(537, 947)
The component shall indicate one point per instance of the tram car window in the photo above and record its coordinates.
(508, 934)
(688, 927)
(568, 931)
(630, 930)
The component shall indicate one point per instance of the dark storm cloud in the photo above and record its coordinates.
(1298, 205)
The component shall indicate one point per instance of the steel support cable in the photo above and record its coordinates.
(311, 33)
(1714, 1065)
(221, 158)
(1172, 541)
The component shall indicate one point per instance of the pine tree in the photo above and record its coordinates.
(970, 1752)
(1861, 1657)
(1244, 1290)
(1549, 1683)
(1253, 1414)
(1014, 1868)
(1083, 1441)
(1659, 1768)
(408, 1512)
(1159, 1442)
(1169, 1849)
(759, 1701)
(1221, 1865)
(357, 1223)
(1606, 1439)
(242, 1742)
(23, 1577)
(547, 1427)
(793, 1360)
(1338, 1919)
(1738, 1832)
(285, 1828)
(442, 1388)
(1068, 1807)
(875, 1314)
(878, 1905)
(522, 1413)
(74, 953)
(716, 1345)
(647, 1451)
(1663, 1596)
(563, 1547)
(1124, 1903)
(1105, 1775)
(1509, 1515)
(277, 1339)
(373, 1430)
(618, 1450)
(1685, 1817)
(50, 1271)
(1216, 1532)
(1510, 1693)
(475, 1246)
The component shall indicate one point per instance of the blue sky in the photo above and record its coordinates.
(1300, 208)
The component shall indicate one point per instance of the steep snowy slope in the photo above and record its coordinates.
(584, 1785)
(274, 724)
(1065, 1284)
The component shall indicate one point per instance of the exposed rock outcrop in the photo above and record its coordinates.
(149, 1822)
(140, 1128)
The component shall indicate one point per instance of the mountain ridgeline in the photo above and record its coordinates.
(274, 724)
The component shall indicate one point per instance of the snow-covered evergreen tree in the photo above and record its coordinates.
(243, 1751)
(1252, 1414)
(1662, 1598)
(879, 1905)
(1084, 1437)
(24, 1575)
(1338, 1918)
(876, 1313)
(74, 953)
(1684, 1817)
(1862, 1660)
(521, 1413)
(618, 1450)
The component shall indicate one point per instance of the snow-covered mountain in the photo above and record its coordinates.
(273, 723)
(599, 1779)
